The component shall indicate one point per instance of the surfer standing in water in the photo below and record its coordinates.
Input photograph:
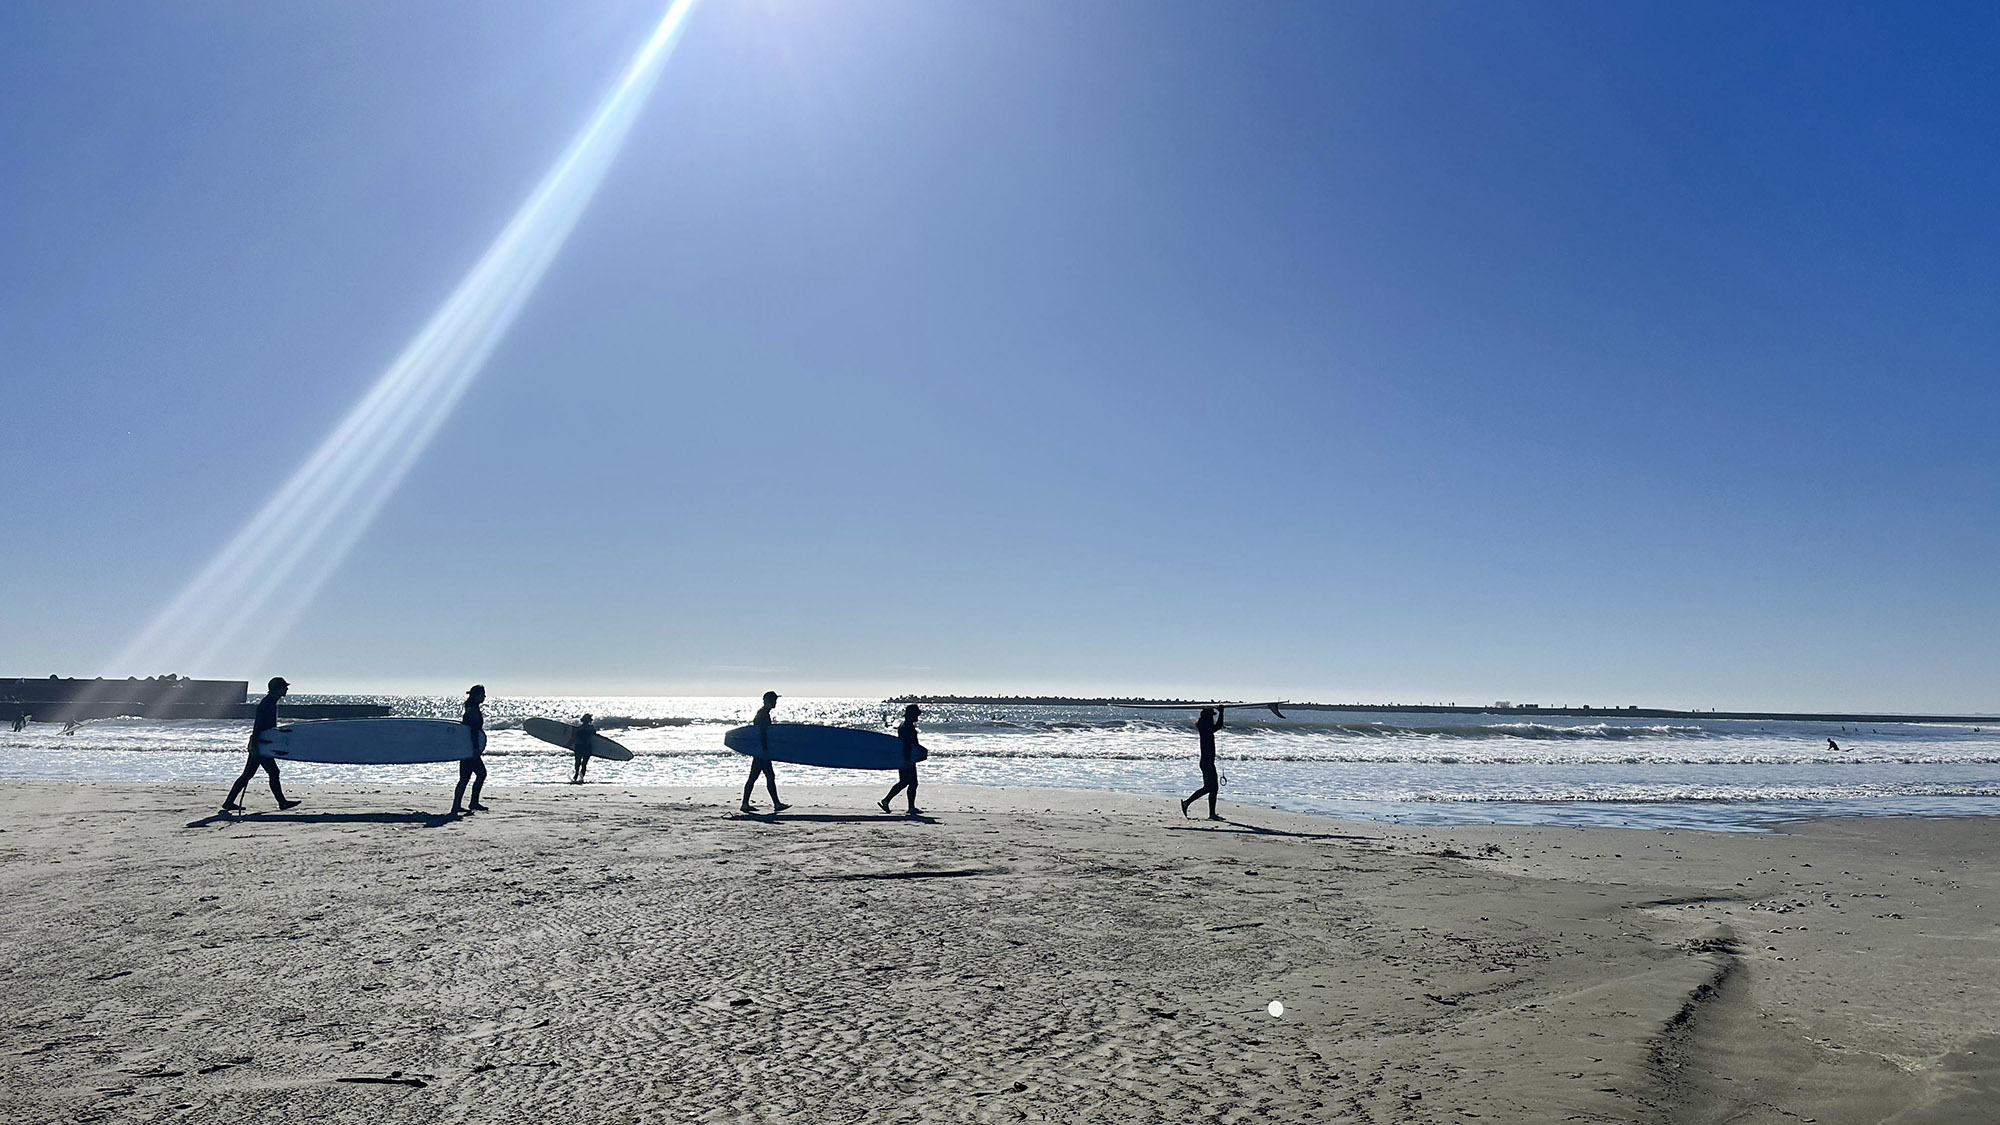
(266, 719)
(472, 769)
(1209, 722)
(907, 774)
(761, 763)
(579, 744)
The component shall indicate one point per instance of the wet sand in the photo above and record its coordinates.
(611, 954)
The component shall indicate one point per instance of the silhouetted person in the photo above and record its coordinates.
(472, 769)
(579, 744)
(267, 719)
(906, 776)
(1206, 726)
(761, 761)
(1833, 746)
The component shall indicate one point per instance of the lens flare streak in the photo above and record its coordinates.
(301, 535)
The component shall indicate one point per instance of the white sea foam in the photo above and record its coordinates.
(1417, 767)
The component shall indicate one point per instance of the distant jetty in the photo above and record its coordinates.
(1524, 710)
(56, 699)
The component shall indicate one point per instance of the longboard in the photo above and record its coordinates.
(1272, 706)
(836, 748)
(548, 730)
(373, 742)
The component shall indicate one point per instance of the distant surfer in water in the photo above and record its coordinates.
(472, 769)
(579, 744)
(1206, 726)
(906, 777)
(761, 763)
(266, 719)
(1833, 746)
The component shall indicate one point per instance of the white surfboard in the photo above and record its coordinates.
(548, 730)
(375, 742)
(1270, 705)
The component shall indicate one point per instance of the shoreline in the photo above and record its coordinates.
(1512, 710)
(631, 953)
(1387, 814)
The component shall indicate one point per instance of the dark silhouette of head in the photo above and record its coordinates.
(912, 711)
(477, 694)
(278, 686)
(1208, 713)
(586, 718)
(770, 697)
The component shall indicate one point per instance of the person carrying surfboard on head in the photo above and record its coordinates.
(1206, 726)
(472, 769)
(579, 744)
(265, 719)
(761, 762)
(906, 776)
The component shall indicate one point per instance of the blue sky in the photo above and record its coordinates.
(1573, 352)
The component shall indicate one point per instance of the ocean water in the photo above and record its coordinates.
(1405, 767)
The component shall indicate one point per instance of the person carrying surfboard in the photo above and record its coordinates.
(579, 744)
(1206, 726)
(266, 719)
(761, 762)
(906, 776)
(472, 769)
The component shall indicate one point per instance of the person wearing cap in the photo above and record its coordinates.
(761, 761)
(906, 775)
(472, 769)
(266, 719)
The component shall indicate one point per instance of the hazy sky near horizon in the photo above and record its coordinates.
(1570, 352)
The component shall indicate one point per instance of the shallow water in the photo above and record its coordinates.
(1385, 765)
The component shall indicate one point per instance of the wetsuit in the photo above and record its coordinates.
(1211, 783)
(579, 744)
(761, 763)
(266, 719)
(906, 774)
(1209, 780)
(472, 769)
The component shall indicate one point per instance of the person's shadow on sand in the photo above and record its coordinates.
(1224, 824)
(428, 820)
(832, 818)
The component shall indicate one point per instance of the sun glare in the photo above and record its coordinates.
(232, 609)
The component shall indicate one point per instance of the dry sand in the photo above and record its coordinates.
(604, 954)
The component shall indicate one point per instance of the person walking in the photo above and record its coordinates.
(1210, 721)
(266, 719)
(579, 744)
(906, 775)
(760, 763)
(472, 769)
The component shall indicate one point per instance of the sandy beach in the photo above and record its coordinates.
(613, 954)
